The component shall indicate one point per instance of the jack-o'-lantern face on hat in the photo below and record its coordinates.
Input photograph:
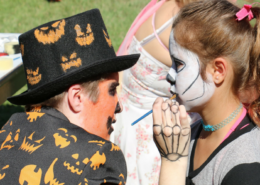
(102, 113)
(33, 77)
(72, 61)
(84, 39)
(50, 34)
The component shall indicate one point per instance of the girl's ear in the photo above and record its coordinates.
(218, 69)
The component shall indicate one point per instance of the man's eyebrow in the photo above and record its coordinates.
(114, 85)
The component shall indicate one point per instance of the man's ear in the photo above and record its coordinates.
(219, 70)
(75, 98)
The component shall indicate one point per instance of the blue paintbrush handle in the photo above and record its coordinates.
(151, 111)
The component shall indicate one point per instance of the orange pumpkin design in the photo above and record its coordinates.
(97, 160)
(72, 168)
(3, 175)
(6, 124)
(99, 143)
(49, 176)
(123, 177)
(73, 61)
(8, 142)
(22, 49)
(33, 77)
(34, 114)
(29, 145)
(48, 35)
(61, 140)
(29, 176)
(84, 39)
(107, 38)
(114, 147)
(85, 181)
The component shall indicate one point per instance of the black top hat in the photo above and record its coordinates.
(61, 53)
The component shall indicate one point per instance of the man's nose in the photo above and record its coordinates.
(170, 79)
(119, 107)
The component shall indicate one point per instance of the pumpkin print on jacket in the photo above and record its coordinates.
(52, 34)
(99, 143)
(73, 167)
(84, 39)
(123, 179)
(114, 147)
(49, 176)
(2, 174)
(97, 160)
(73, 61)
(30, 175)
(9, 141)
(33, 77)
(62, 139)
(109, 42)
(85, 182)
(34, 114)
(29, 145)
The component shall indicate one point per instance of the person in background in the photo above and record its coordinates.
(142, 84)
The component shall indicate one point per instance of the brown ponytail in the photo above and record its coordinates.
(254, 77)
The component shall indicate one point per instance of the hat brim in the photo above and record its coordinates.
(52, 88)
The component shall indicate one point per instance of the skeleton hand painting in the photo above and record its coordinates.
(171, 129)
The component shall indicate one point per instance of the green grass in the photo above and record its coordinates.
(18, 16)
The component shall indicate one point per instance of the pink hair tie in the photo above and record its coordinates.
(245, 11)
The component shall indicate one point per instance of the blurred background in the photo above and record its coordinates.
(18, 16)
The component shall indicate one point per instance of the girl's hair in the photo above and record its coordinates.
(210, 29)
(185, 2)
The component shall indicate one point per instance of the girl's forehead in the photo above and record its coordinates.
(180, 52)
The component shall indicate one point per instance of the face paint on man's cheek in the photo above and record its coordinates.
(109, 125)
(191, 89)
(110, 120)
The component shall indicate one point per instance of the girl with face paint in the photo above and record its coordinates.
(216, 57)
(141, 85)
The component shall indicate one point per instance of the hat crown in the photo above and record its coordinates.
(60, 47)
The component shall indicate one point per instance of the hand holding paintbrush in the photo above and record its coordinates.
(148, 113)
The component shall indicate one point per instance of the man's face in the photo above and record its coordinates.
(101, 115)
(185, 77)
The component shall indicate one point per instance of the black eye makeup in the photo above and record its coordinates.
(179, 64)
(112, 88)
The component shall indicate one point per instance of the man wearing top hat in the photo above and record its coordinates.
(71, 102)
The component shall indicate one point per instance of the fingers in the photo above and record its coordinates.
(157, 113)
(171, 126)
(185, 132)
(158, 125)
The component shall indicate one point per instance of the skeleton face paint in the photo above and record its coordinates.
(185, 77)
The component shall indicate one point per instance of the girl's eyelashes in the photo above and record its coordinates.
(179, 64)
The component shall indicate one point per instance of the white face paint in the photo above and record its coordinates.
(185, 77)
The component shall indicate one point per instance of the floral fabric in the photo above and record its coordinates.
(142, 84)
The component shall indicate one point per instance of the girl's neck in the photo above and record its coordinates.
(218, 109)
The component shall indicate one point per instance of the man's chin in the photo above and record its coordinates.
(110, 130)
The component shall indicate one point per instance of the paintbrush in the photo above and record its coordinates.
(151, 111)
